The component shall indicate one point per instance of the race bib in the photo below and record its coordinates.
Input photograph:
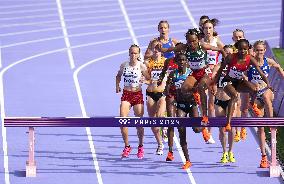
(212, 56)
(155, 74)
(234, 73)
(197, 65)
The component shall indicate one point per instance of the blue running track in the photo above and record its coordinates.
(60, 57)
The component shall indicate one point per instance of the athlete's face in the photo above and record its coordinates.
(134, 53)
(259, 50)
(243, 49)
(237, 35)
(192, 41)
(164, 29)
(181, 61)
(201, 22)
(208, 29)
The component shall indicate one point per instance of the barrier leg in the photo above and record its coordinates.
(31, 165)
(274, 168)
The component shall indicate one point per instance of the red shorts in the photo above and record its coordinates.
(198, 74)
(134, 98)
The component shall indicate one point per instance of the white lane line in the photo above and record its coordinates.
(144, 20)
(46, 4)
(65, 34)
(83, 109)
(43, 10)
(4, 136)
(129, 25)
(189, 173)
(174, 11)
(217, 3)
(71, 60)
(76, 7)
(247, 6)
(134, 4)
(138, 27)
(253, 31)
(188, 13)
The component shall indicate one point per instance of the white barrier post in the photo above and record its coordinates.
(274, 168)
(31, 165)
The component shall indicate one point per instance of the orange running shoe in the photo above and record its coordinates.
(205, 134)
(196, 97)
(264, 162)
(170, 156)
(243, 133)
(204, 121)
(187, 165)
(256, 109)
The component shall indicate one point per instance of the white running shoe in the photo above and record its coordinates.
(160, 149)
(211, 140)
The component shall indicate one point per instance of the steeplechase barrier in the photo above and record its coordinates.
(32, 122)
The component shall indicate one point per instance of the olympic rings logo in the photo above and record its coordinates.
(124, 121)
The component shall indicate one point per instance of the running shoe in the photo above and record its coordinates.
(224, 158)
(187, 165)
(231, 157)
(126, 151)
(264, 162)
(211, 140)
(196, 97)
(243, 133)
(205, 134)
(170, 156)
(255, 109)
(237, 136)
(204, 121)
(140, 153)
(159, 150)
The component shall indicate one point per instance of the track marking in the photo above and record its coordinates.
(65, 34)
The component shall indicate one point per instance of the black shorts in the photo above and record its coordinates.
(185, 106)
(221, 103)
(232, 81)
(155, 95)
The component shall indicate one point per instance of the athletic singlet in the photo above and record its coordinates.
(212, 56)
(197, 59)
(169, 44)
(156, 68)
(178, 79)
(254, 76)
(132, 75)
(236, 70)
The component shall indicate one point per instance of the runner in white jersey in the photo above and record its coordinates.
(211, 38)
(132, 72)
